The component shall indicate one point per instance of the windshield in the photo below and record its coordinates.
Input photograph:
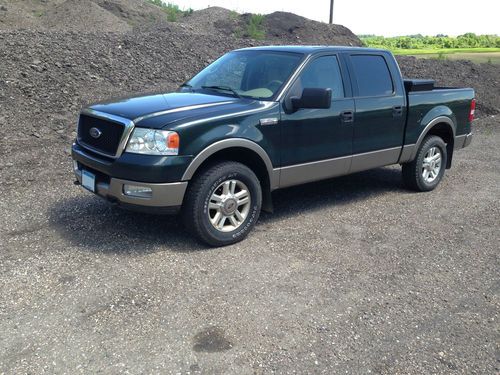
(252, 74)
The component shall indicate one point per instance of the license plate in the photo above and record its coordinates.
(88, 180)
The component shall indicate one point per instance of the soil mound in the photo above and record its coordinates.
(484, 78)
(82, 15)
(291, 28)
(78, 15)
(48, 74)
(212, 20)
(134, 13)
(21, 14)
(276, 28)
(124, 15)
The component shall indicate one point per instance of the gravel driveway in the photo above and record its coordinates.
(351, 275)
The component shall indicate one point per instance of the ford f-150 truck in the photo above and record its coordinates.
(260, 119)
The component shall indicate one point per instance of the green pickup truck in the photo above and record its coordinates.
(265, 118)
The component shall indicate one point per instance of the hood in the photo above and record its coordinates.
(142, 108)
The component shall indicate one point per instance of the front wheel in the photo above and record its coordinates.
(222, 203)
(426, 171)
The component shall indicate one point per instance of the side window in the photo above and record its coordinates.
(324, 73)
(372, 75)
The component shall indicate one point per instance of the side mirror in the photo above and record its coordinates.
(313, 98)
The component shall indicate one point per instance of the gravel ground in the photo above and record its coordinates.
(350, 275)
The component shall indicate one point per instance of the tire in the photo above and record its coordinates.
(427, 169)
(219, 191)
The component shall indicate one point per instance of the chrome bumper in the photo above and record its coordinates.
(166, 197)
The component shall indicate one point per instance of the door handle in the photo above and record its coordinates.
(347, 116)
(397, 111)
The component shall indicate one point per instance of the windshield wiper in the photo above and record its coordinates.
(224, 88)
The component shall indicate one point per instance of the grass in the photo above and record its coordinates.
(476, 55)
(478, 58)
(445, 51)
(234, 15)
(255, 28)
(172, 11)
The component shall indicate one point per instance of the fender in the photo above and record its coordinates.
(428, 127)
(228, 143)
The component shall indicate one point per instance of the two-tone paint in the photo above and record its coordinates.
(355, 133)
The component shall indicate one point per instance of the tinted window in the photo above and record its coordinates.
(372, 75)
(324, 73)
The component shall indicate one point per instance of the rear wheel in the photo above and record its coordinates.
(427, 169)
(222, 203)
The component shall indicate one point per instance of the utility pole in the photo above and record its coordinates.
(331, 11)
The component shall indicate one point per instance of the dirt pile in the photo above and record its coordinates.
(21, 14)
(484, 78)
(213, 20)
(293, 29)
(276, 28)
(81, 15)
(125, 15)
(46, 76)
(80, 51)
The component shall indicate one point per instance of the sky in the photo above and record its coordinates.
(380, 17)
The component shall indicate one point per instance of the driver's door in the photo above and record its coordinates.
(321, 138)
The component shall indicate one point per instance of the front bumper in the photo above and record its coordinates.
(135, 167)
(166, 198)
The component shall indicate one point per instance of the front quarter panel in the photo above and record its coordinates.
(196, 135)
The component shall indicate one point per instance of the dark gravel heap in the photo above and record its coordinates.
(484, 78)
(78, 15)
(128, 15)
(279, 27)
(47, 76)
(291, 28)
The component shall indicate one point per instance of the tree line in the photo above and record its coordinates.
(469, 40)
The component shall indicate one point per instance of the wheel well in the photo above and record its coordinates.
(444, 131)
(249, 158)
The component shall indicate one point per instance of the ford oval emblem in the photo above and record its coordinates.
(95, 133)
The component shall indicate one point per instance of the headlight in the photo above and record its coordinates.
(153, 142)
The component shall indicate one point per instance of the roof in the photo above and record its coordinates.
(310, 49)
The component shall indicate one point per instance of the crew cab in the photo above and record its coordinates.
(264, 118)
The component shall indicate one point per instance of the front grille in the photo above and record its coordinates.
(111, 134)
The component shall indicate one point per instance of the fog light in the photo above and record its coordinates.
(137, 191)
(75, 165)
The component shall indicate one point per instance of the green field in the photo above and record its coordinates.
(476, 55)
(447, 51)
(469, 46)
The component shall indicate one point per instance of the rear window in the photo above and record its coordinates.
(372, 75)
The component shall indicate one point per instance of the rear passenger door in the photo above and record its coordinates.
(380, 110)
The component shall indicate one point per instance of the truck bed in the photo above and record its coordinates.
(425, 104)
